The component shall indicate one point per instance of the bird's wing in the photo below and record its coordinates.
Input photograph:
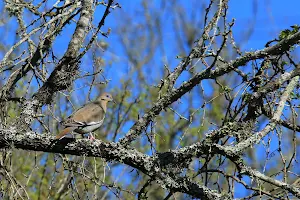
(90, 114)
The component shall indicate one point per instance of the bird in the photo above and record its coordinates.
(88, 118)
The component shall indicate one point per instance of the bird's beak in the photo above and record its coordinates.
(113, 101)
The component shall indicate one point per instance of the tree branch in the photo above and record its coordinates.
(109, 151)
(175, 94)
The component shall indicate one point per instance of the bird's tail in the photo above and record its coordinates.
(64, 132)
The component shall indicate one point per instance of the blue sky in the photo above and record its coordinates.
(267, 19)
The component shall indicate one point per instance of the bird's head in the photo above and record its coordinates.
(106, 97)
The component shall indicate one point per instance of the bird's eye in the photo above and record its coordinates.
(107, 96)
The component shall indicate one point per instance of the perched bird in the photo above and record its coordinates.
(88, 118)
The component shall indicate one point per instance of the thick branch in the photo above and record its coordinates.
(63, 75)
(111, 152)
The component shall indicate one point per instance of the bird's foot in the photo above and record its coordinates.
(91, 137)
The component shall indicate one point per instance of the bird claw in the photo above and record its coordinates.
(91, 137)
